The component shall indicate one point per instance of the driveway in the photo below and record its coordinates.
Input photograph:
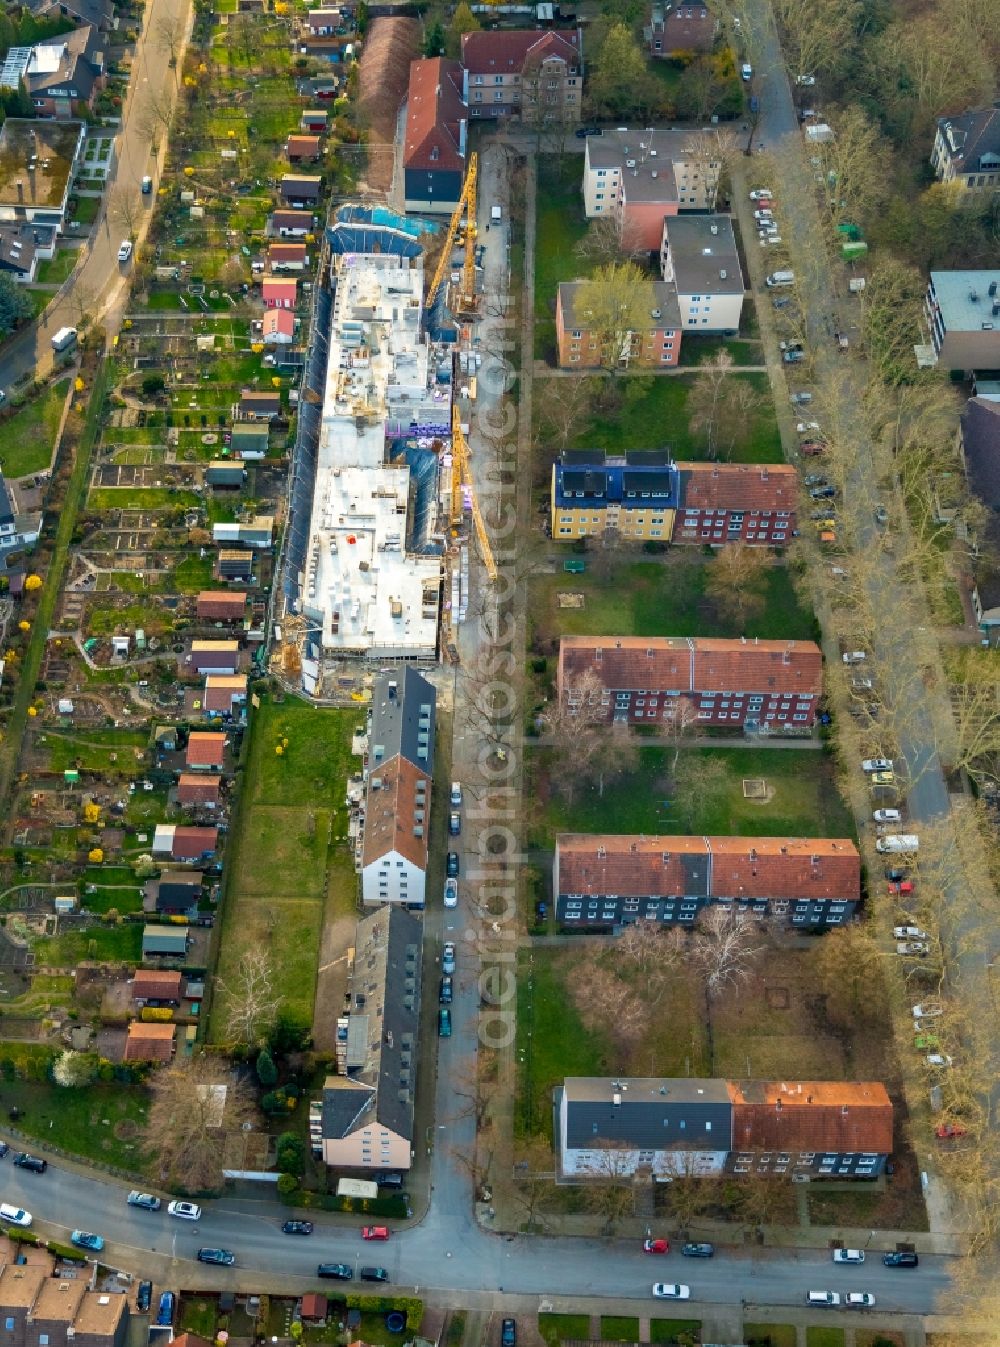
(100, 282)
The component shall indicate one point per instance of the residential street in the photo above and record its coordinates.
(100, 282)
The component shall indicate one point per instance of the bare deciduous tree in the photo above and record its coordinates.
(607, 240)
(609, 1189)
(565, 408)
(252, 1001)
(194, 1105)
(125, 209)
(726, 948)
(169, 33)
(737, 580)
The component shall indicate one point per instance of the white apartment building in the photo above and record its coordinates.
(698, 256)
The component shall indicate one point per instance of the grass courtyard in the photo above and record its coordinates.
(286, 872)
(662, 596)
(29, 435)
(802, 798)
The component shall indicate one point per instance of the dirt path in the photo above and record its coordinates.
(331, 981)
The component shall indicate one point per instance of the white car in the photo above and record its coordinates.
(848, 1255)
(807, 427)
(807, 81)
(761, 194)
(671, 1291)
(859, 1300)
(909, 933)
(877, 765)
(746, 70)
(125, 251)
(765, 213)
(187, 1211)
(769, 240)
(14, 1215)
(451, 893)
(933, 1010)
(890, 816)
(940, 1059)
(854, 657)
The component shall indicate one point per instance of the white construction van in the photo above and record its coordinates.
(780, 278)
(897, 842)
(496, 214)
(64, 339)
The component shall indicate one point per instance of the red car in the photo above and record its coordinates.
(374, 1232)
(948, 1130)
(903, 887)
(656, 1246)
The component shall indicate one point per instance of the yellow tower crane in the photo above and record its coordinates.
(462, 476)
(466, 207)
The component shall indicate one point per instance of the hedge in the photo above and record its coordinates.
(411, 1306)
(393, 1207)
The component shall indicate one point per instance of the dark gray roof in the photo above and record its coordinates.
(346, 1106)
(703, 251)
(385, 1018)
(6, 510)
(176, 891)
(100, 13)
(402, 723)
(974, 134)
(647, 1113)
(981, 442)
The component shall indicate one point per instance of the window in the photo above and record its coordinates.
(9, 1325)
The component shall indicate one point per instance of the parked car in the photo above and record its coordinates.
(698, 1250)
(444, 1022)
(806, 81)
(14, 1215)
(800, 399)
(876, 765)
(793, 357)
(909, 933)
(4, 1148)
(764, 213)
(219, 1257)
(452, 865)
(761, 194)
(125, 251)
(33, 1163)
(914, 949)
(901, 1258)
(783, 302)
(451, 893)
(811, 448)
(375, 1232)
(746, 71)
(373, 1274)
(881, 514)
(866, 685)
(859, 1300)
(584, 131)
(145, 1200)
(144, 1297)
(656, 1246)
(882, 778)
(508, 1333)
(671, 1291)
(83, 1239)
(928, 1010)
(454, 823)
(829, 1299)
(297, 1228)
(818, 492)
(940, 1059)
(894, 816)
(814, 479)
(448, 957)
(949, 1131)
(446, 991)
(147, 185)
(336, 1271)
(187, 1211)
(848, 1255)
(165, 1310)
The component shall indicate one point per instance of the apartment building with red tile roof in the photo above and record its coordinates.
(808, 1118)
(737, 502)
(435, 139)
(607, 881)
(530, 73)
(737, 684)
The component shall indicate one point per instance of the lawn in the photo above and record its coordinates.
(619, 1328)
(104, 498)
(286, 869)
(678, 1330)
(29, 435)
(87, 208)
(661, 597)
(96, 750)
(189, 576)
(653, 416)
(115, 944)
(105, 899)
(769, 1335)
(803, 799)
(98, 1122)
(551, 1043)
(556, 1328)
(197, 1315)
(559, 226)
(53, 271)
(825, 1337)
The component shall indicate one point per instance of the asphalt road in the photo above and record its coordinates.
(100, 281)
(444, 1252)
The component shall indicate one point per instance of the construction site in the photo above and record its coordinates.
(382, 501)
